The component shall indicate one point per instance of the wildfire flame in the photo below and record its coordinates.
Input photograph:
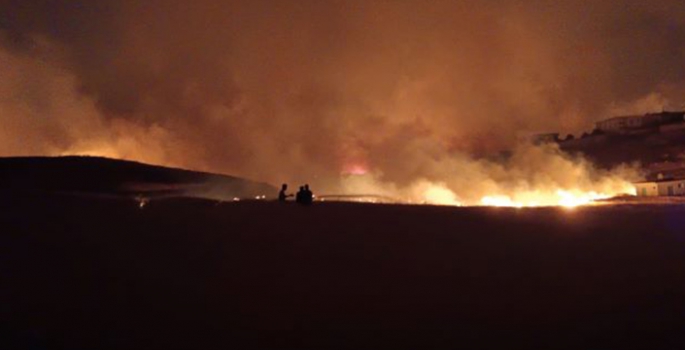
(534, 176)
(439, 194)
(572, 198)
(563, 198)
(569, 198)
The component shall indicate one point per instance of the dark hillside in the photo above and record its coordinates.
(110, 176)
(652, 151)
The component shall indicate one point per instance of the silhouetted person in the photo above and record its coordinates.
(282, 195)
(308, 195)
(299, 197)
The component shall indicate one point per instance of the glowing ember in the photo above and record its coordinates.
(142, 202)
(355, 169)
(499, 201)
(572, 200)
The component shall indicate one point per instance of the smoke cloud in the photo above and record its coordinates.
(302, 91)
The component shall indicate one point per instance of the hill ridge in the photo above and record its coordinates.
(102, 175)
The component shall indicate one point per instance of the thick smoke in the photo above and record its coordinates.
(306, 90)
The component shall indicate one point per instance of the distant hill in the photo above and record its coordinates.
(104, 176)
(653, 151)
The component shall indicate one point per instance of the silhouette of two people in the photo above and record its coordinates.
(303, 196)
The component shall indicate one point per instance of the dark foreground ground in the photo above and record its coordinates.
(98, 274)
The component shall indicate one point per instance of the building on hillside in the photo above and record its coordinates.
(616, 124)
(662, 187)
(655, 119)
(635, 124)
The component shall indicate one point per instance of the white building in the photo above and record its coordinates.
(636, 123)
(617, 124)
(671, 187)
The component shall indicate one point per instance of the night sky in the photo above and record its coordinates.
(309, 89)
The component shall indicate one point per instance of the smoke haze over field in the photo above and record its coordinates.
(304, 90)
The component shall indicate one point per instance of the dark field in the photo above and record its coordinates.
(97, 274)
